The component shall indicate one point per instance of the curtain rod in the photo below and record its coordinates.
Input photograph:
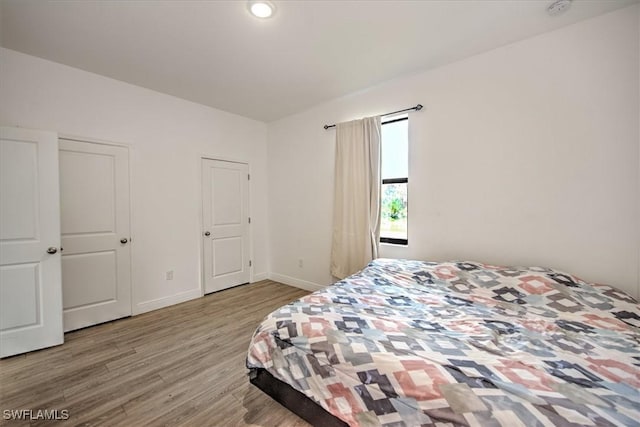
(416, 108)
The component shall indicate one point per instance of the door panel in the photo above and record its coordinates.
(225, 197)
(87, 182)
(227, 255)
(21, 282)
(101, 267)
(19, 210)
(227, 191)
(30, 284)
(94, 190)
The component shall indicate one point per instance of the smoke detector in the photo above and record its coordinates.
(558, 7)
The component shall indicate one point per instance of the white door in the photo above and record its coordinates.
(30, 290)
(225, 196)
(94, 202)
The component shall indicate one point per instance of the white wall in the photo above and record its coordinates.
(526, 155)
(167, 136)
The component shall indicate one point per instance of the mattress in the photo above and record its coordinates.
(412, 343)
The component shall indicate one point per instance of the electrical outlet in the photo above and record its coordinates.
(168, 275)
(300, 263)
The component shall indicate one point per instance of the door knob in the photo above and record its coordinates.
(206, 233)
(52, 250)
(123, 240)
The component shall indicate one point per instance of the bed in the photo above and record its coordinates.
(412, 343)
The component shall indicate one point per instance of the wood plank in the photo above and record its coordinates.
(181, 365)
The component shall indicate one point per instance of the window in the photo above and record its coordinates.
(395, 179)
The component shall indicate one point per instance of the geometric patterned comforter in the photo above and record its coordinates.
(411, 343)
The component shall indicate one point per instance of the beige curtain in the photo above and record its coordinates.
(356, 207)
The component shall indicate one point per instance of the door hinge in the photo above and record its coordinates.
(249, 220)
(248, 177)
(250, 263)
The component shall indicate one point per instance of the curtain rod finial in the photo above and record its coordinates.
(418, 107)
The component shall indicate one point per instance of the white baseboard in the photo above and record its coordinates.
(167, 301)
(155, 304)
(298, 283)
(260, 276)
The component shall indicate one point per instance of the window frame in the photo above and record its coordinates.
(391, 240)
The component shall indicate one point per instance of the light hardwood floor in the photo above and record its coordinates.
(178, 366)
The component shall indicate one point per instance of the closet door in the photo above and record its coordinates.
(30, 285)
(225, 212)
(96, 261)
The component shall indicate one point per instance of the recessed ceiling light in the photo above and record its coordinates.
(558, 7)
(261, 9)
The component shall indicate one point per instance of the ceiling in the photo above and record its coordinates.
(215, 53)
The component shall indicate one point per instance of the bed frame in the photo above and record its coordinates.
(293, 400)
